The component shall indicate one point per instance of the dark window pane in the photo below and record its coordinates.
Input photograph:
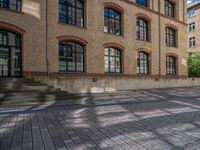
(112, 60)
(71, 12)
(71, 57)
(112, 21)
(171, 65)
(11, 4)
(169, 9)
(143, 63)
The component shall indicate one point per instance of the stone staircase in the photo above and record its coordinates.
(20, 91)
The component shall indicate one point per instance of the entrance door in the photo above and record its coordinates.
(4, 62)
(10, 54)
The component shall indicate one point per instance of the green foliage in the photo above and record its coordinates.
(194, 65)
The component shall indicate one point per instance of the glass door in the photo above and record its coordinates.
(4, 62)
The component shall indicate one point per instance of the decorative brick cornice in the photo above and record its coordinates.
(12, 28)
(72, 38)
(114, 6)
(172, 54)
(143, 16)
(114, 45)
(172, 26)
(143, 49)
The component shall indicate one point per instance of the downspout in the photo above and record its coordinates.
(47, 60)
(159, 39)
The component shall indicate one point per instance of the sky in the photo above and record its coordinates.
(189, 1)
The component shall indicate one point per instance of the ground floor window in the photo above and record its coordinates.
(112, 58)
(143, 63)
(171, 65)
(10, 54)
(71, 57)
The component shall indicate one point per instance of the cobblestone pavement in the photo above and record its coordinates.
(139, 119)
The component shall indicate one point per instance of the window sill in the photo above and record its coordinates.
(172, 46)
(114, 34)
(71, 25)
(11, 10)
(143, 41)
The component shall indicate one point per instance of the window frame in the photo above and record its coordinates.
(109, 19)
(141, 28)
(170, 9)
(144, 3)
(192, 42)
(109, 56)
(66, 12)
(171, 65)
(192, 26)
(75, 53)
(7, 5)
(146, 66)
(171, 37)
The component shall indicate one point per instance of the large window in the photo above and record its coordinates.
(142, 29)
(171, 65)
(11, 4)
(71, 57)
(3, 38)
(71, 12)
(142, 2)
(112, 59)
(112, 21)
(170, 37)
(191, 13)
(192, 26)
(169, 8)
(192, 42)
(143, 63)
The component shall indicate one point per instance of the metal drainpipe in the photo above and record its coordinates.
(159, 37)
(47, 60)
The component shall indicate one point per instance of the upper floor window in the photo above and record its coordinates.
(112, 21)
(142, 2)
(71, 12)
(71, 57)
(112, 60)
(11, 4)
(192, 42)
(192, 26)
(171, 65)
(169, 8)
(170, 37)
(143, 63)
(191, 13)
(142, 29)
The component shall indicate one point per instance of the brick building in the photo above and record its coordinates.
(194, 26)
(93, 38)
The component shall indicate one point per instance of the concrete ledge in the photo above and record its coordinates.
(94, 84)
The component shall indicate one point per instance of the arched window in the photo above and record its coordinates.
(10, 54)
(71, 57)
(142, 2)
(171, 65)
(143, 63)
(112, 21)
(170, 37)
(71, 12)
(142, 29)
(112, 59)
(169, 8)
(11, 4)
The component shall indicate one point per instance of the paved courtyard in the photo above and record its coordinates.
(138, 119)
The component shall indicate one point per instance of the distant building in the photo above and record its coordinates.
(194, 26)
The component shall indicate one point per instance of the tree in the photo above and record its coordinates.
(194, 65)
